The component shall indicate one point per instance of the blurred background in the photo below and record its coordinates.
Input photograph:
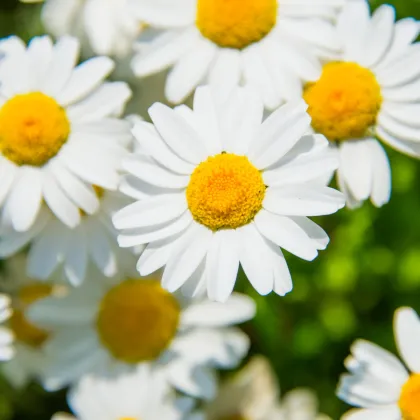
(371, 267)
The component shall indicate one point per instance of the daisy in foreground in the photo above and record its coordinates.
(140, 395)
(109, 326)
(268, 44)
(253, 394)
(53, 244)
(220, 188)
(371, 91)
(59, 131)
(378, 382)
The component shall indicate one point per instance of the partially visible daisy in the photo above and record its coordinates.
(108, 25)
(7, 350)
(222, 188)
(253, 394)
(268, 44)
(371, 90)
(59, 129)
(108, 326)
(139, 395)
(378, 382)
(53, 244)
(29, 358)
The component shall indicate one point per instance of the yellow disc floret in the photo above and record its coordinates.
(33, 128)
(410, 399)
(137, 320)
(225, 192)
(23, 330)
(236, 23)
(345, 101)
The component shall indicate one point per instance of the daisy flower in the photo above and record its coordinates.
(108, 25)
(268, 44)
(108, 326)
(59, 130)
(140, 395)
(53, 244)
(7, 350)
(220, 187)
(253, 394)
(369, 91)
(29, 340)
(378, 382)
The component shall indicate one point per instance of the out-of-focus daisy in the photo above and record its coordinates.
(139, 395)
(369, 91)
(253, 394)
(54, 244)
(378, 382)
(268, 44)
(108, 326)
(222, 188)
(29, 358)
(58, 129)
(108, 25)
(7, 350)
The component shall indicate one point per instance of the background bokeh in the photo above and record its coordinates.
(371, 267)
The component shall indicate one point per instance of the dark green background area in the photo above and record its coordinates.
(371, 267)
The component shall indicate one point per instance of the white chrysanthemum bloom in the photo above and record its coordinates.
(59, 131)
(29, 358)
(107, 326)
(139, 395)
(53, 244)
(108, 25)
(253, 394)
(268, 44)
(220, 187)
(369, 91)
(7, 350)
(378, 382)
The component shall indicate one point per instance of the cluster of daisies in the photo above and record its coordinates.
(123, 234)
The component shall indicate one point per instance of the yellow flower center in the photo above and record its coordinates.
(410, 398)
(225, 192)
(128, 418)
(33, 128)
(345, 101)
(236, 23)
(137, 320)
(23, 330)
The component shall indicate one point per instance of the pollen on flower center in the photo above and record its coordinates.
(23, 330)
(344, 103)
(137, 320)
(33, 128)
(236, 23)
(225, 192)
(409, 402)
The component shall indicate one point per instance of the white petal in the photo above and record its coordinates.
(222, 264)
(76, 258)
(407, 334)
(284, 232)
(381, 183)
(391, 412)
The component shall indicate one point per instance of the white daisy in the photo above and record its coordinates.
(140, 395)
(253, 394)
(29, 358)
(378, 382)
(108, 326)
(7, 350)
(53, 244)
(221, 188)
(59, 131)
(108, 25)
(268, 44)
(370, 90)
